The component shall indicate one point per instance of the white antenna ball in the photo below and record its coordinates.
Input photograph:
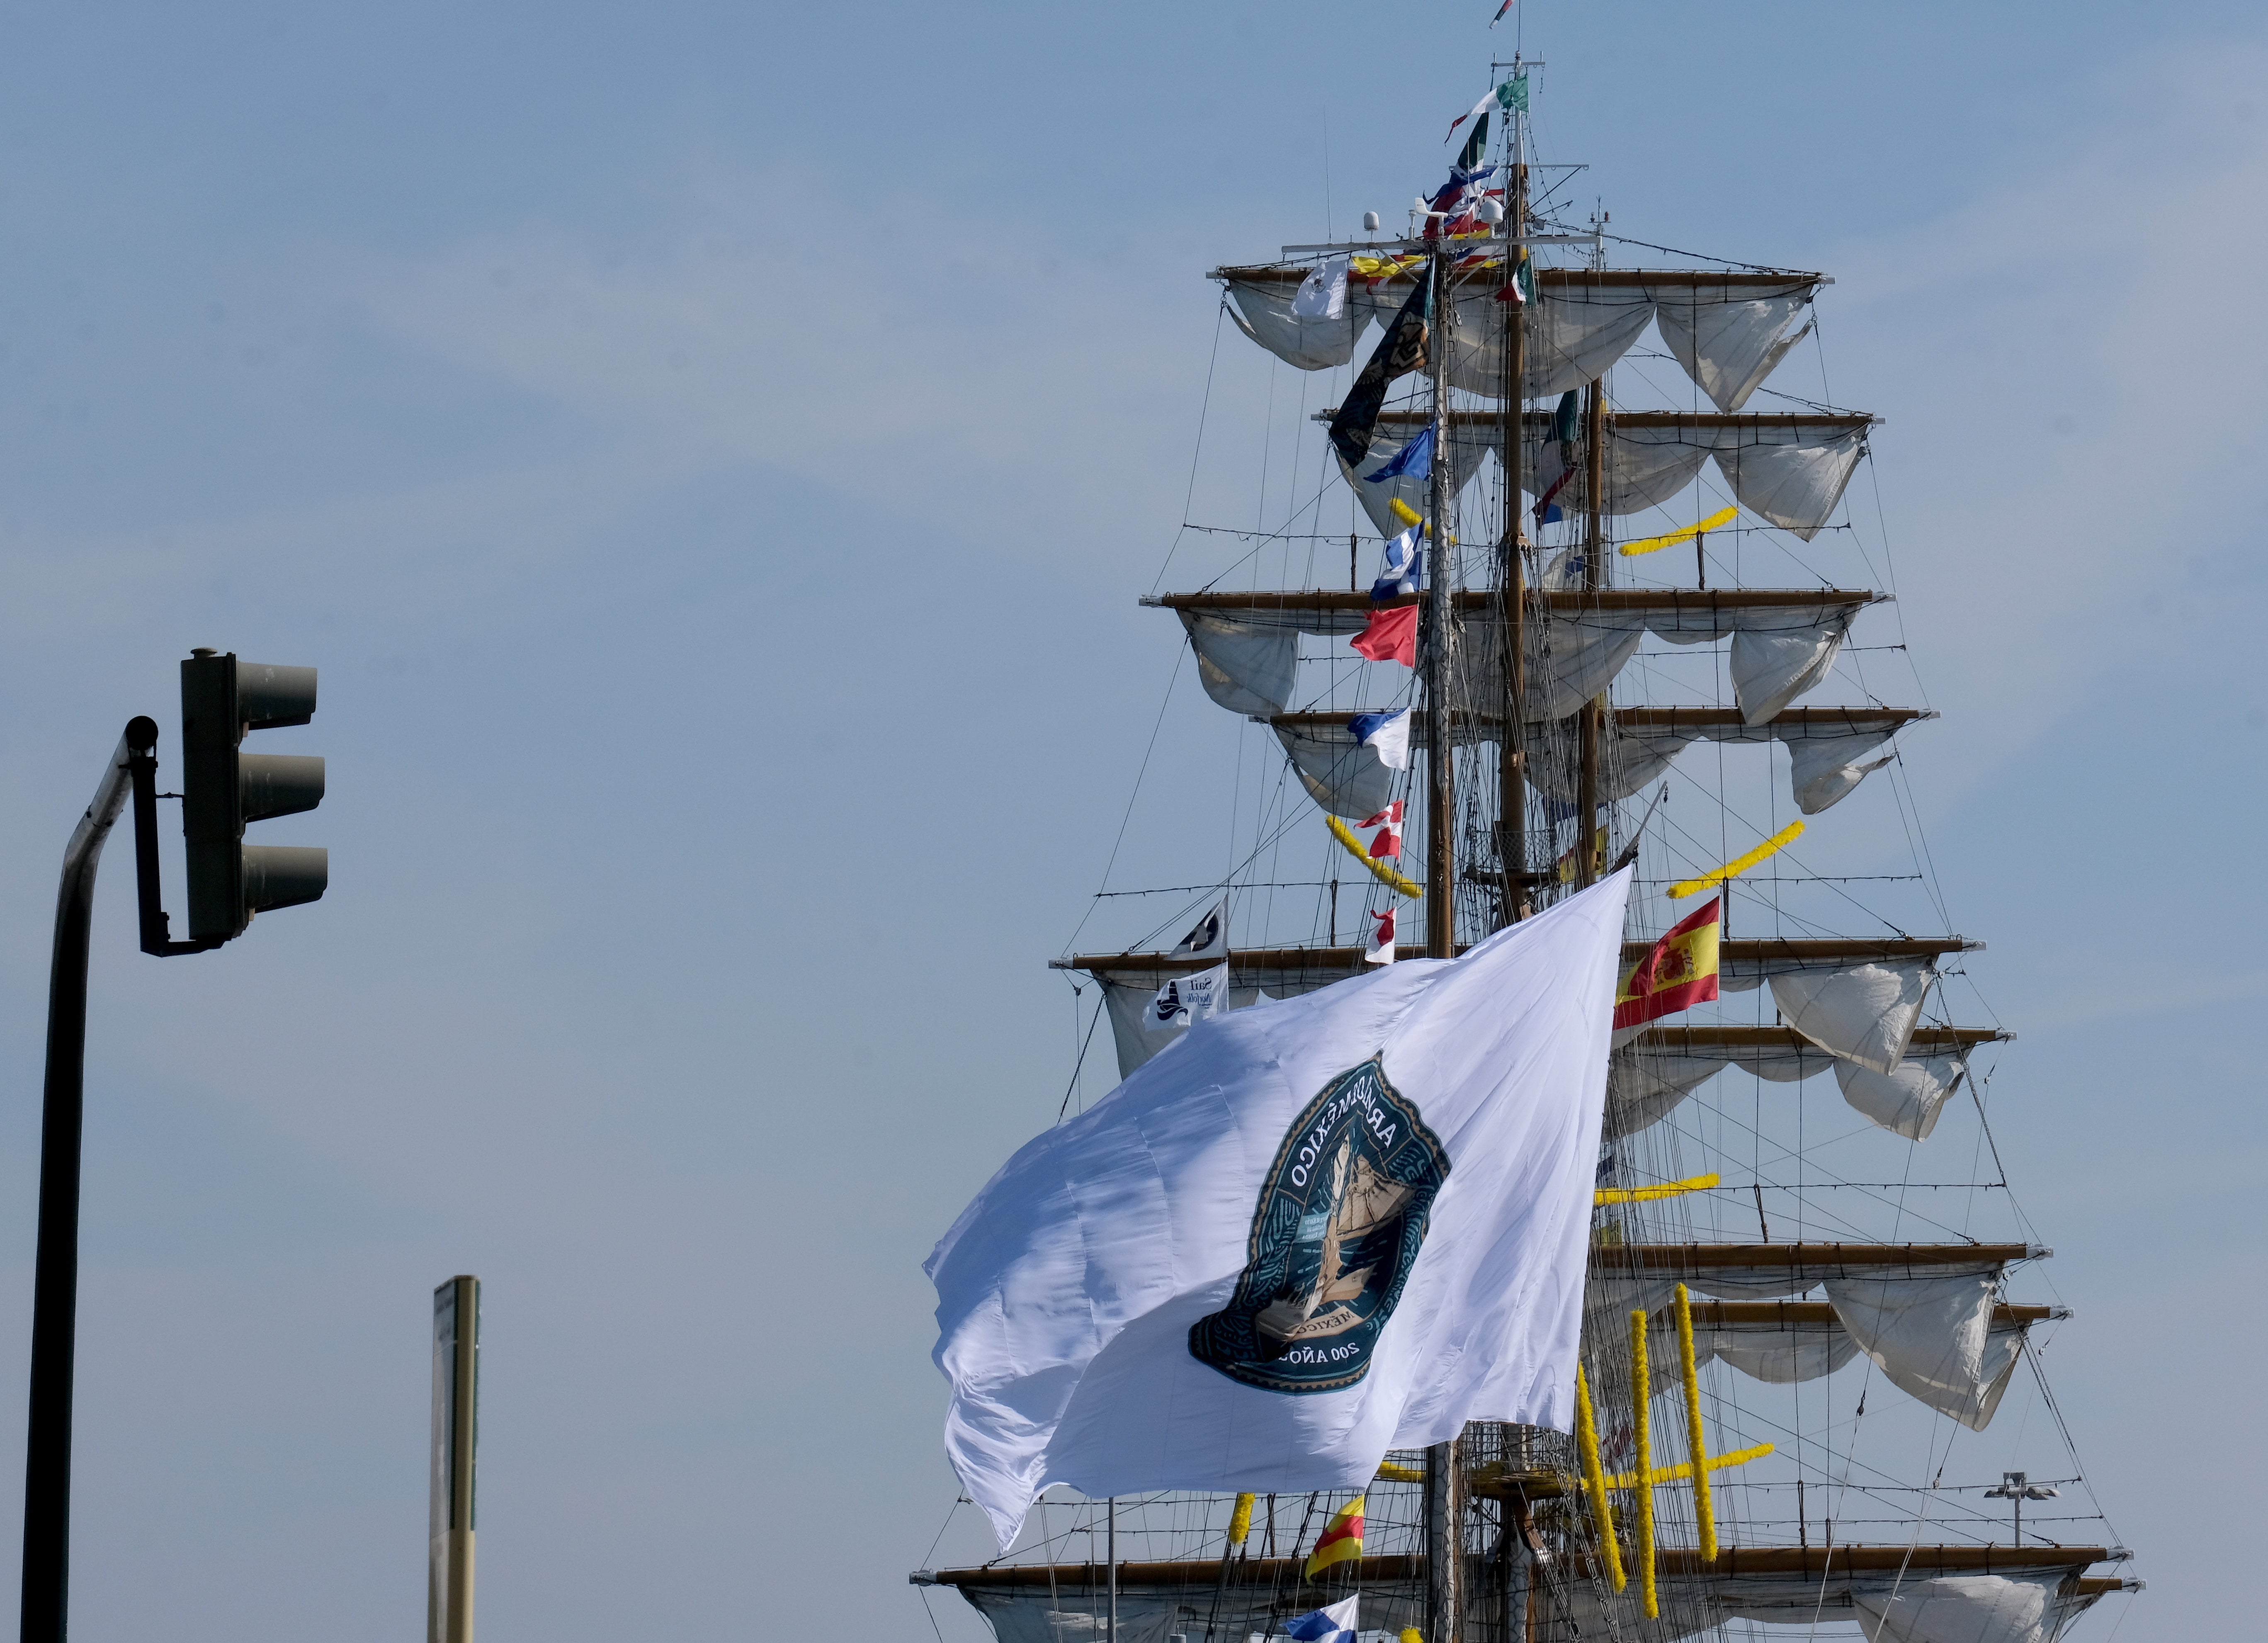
(1490, 211)
(1370, 222)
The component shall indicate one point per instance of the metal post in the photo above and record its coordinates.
(54, 1282)
(455, 1460)
(1110, 1551)
(1441, 796)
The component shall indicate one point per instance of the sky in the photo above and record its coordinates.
(713, 453)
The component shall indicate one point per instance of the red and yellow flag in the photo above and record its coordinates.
(1340, 1541)
(1677, 972)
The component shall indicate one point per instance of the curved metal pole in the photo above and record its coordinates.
(54, 1287)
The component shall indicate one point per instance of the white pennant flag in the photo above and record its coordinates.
(1320, 1229)
(1322, 294)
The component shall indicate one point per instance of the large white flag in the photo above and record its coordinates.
(1304, 1234)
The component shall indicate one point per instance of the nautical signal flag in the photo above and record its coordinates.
(1388, 845)
(1385, 734)
(1414, 460)
(1333, 1624)
(1340, 1541)
(1677, 972)
(1405, 569)
(1380, 951)
(1391, 637)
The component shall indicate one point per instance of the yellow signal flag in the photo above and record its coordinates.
(1340, 1541)
(1565, 866)
(1656, 544)
(1739, 864)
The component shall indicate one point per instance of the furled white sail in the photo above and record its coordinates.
(1780, 1353)
(1964, 1609)
(1865, 1014)
(1645, 1084)
(1933, 1335)
(1133, 1034)
(1575, 331)
(1261, 310)
(1824, 769)
(1907, 1099)
(1790, 471)
(1729, 342)
(1342, 775)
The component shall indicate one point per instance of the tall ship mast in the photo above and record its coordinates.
(1570, 580)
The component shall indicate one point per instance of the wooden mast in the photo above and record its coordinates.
(1442, 797)
(1512, 775)
(1443, 1504)
(1594, 466)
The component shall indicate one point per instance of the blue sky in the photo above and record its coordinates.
(713, 453)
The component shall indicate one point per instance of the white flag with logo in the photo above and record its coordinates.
(1186, 1000)
(1320, 1229)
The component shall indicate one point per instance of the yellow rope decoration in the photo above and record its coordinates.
(1643, 1439)
(1409, 515)
(1739, 864)
(1705, 1509)
(1683, 1470)
(1384, 874)
(1394, 1473)
(1240, 1522)
(1652, 544)
(1647, 1195)
(1595, 1479)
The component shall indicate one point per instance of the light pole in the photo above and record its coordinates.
(2016, 1487)
(229, 881)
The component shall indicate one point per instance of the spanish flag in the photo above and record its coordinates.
(1677, 972)
(1340, 1541)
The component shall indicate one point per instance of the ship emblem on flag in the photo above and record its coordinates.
(1677, 972)
(1342, 1213)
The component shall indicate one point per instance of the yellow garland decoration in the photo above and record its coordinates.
(1385, 874)
(1739, 864)
(1642, 1440)
(1240, 1522)
(1595, 1479)
(1647, 1195)
(1409, 515)
(1705, 1509)
(1394, 1473)
(1654, 544)
(1683, 1470)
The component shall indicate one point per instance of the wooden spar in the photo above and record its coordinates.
(1718, 1314)
(1572, 600)
(1439, 623)
(1927, 1040)
(1595, 474)
(1294, 274)
(1286, 1575)
(1731, 952)
(1681, 1258)
(1760, 422)
(1464, 724)
(1512, 775)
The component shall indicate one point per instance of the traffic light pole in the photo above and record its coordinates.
(55, 1285)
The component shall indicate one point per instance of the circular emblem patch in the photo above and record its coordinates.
(1341, 1216)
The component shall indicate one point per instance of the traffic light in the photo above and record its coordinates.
(223, 788)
